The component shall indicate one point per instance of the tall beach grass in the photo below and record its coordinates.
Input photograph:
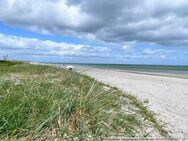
(40, 102)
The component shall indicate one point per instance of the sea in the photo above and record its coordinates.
(179, 71)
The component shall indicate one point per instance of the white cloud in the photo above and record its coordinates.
(126, 47)
(44, 16)
(33, 46)
(19, 47)
(158, 53)
(163, 22)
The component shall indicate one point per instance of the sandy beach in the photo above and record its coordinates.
(167, 96)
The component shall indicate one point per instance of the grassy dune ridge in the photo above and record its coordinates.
(43, 102)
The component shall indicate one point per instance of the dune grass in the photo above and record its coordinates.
(40, 102)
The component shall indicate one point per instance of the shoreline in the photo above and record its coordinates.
(167, 96)
(173, 75)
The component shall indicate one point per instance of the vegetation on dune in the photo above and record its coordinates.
(43, 102)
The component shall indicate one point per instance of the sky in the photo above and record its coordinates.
(95, 31)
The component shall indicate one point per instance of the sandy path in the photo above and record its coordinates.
(168, 97)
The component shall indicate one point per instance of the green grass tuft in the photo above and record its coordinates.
(43, 102)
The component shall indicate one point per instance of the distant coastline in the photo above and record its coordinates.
(177, 71)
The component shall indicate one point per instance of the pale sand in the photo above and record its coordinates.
(168, 96)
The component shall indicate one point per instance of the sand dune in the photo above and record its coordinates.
(168, 96)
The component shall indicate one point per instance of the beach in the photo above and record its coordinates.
(166, 96)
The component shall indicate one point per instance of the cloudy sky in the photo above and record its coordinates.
(95, 31)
